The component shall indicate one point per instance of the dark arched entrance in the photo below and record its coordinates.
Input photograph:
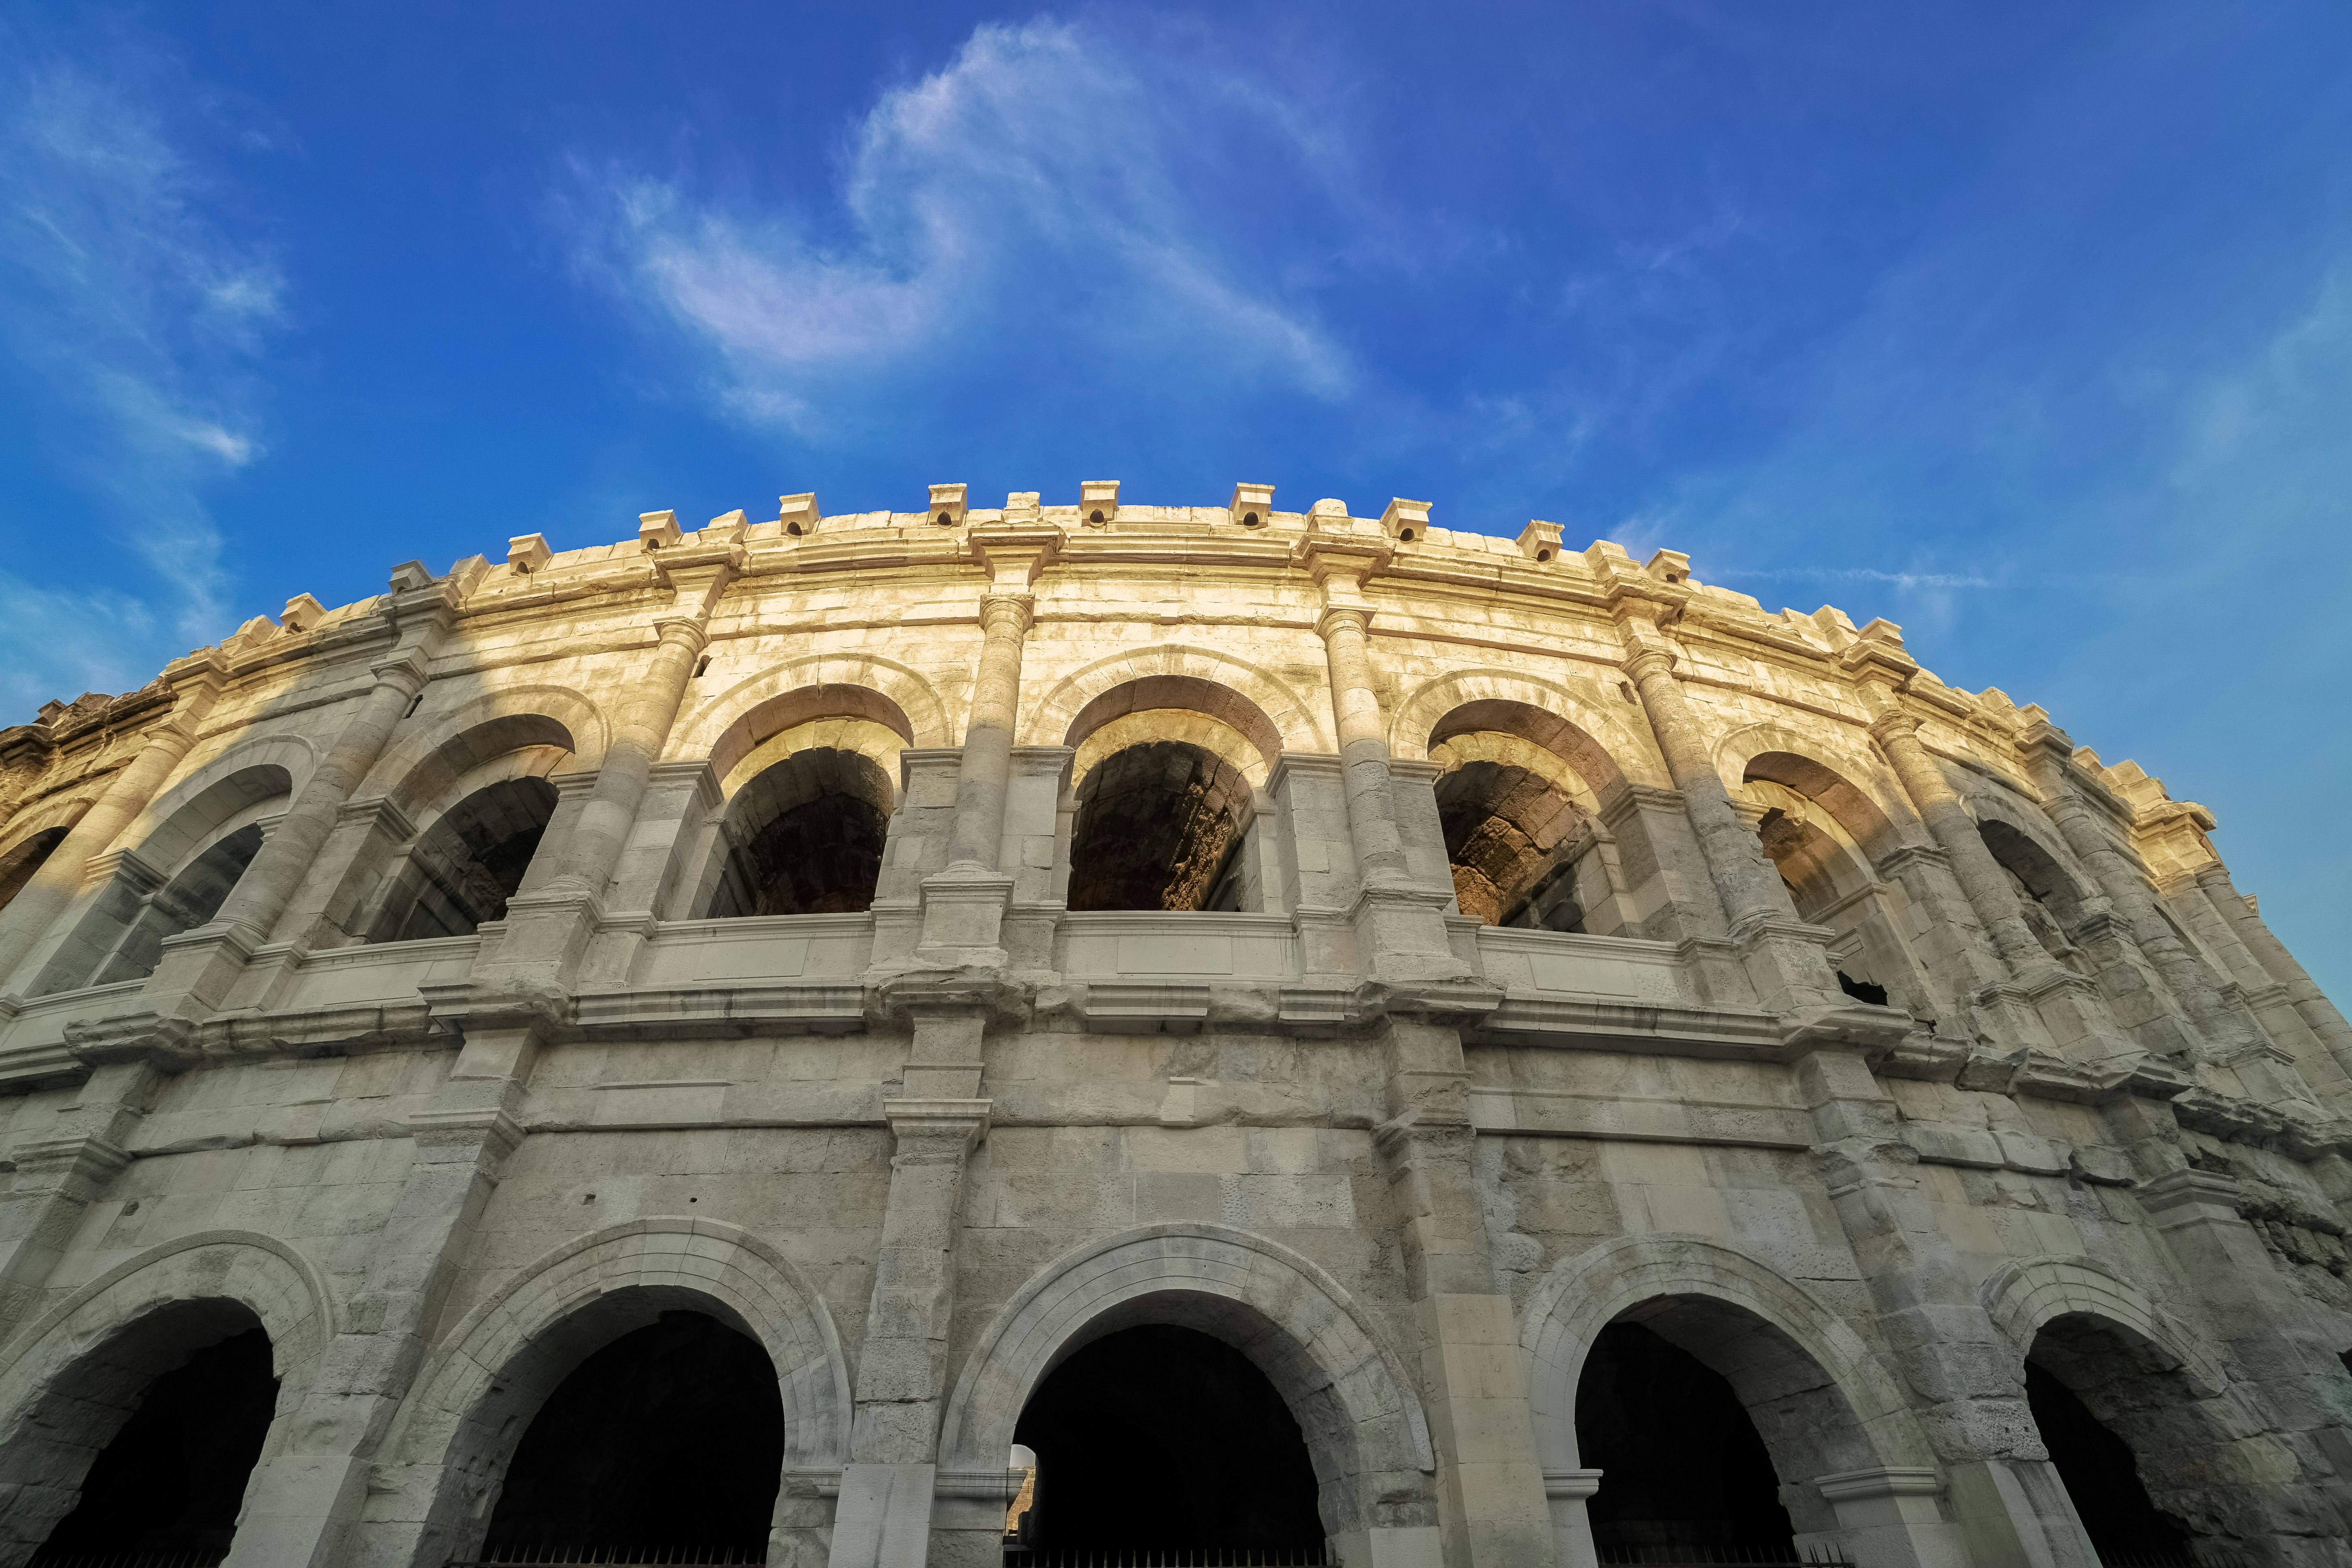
(806, 837)
(461, 871)
(171, 1479)
(1163, 1440)
(1681, 1464)
(2102, 1473)
(1504, 827)
(19, 865)
(670, 1440)
(1157, 827)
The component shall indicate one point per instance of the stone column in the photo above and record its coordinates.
(884, 1517)
(2288, 1354)
(2048, 752)
(1785, 959)
(302, 1501)
(2318, 1011)
(1372, 827)
(987, 768)
(1400, 918)
(195, 683)
(1982, 881)
(197, 971)
(1492, 1505)
(2270, 1001)
(2010, 1507)
(1744, 879)
(2049, 1008)
(548, 930)
(640, 731)
(963, 904)
(64, 1170)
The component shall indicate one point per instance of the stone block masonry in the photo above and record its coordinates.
(1518, 999)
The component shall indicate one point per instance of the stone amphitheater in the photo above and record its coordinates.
(1115, 1033)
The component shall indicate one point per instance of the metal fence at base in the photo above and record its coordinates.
(208, 1557)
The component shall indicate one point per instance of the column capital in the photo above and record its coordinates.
(1647, 660)
(686, 632)
(997, 611)
(1336, 615)
(1894, 725)
(408, 672)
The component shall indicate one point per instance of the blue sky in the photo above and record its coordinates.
(2027, 326)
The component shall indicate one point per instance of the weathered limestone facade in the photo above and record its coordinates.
(286, 1042)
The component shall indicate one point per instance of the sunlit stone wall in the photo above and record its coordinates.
(928, 941)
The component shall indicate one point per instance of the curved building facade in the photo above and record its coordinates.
(973, 1035)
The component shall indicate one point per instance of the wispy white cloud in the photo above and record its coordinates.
(1864, 575)
(1047, 180)
(138, 318)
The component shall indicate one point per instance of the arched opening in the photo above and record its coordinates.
(2046, 896)
(1683, 1467)
(1520, 817)
(2119, 1422)
(1510, 836)
(459, 873)
(804, 836)
(670, 1440)
(1159, 825)
(174, 1478)
(1831, 877)
(185, 903)
(16, 866)
(1165, 1439)
(143, 1447)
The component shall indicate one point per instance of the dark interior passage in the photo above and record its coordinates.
(19, 865)
(174, 1478)
(1157, 828)
(806, 837)
(190, 899)
(1502, 826)
(2101, 1476)
(1160, 1438)
(461, 872)
(1681, 1463)
(670, 1437)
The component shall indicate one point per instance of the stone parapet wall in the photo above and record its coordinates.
(1530, 942)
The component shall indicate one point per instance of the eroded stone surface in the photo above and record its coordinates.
(392, 978)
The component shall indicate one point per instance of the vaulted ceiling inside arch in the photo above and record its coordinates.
(1156, 825)
(1502, 825)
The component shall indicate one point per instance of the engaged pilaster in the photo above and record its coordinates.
(198, 968)
(884, 1517)
(2318, 1011)
(1400, 918)
(304, 1500)
(2228, 1029)
(1786, 960)
(1492, 1507)
(195, 683)
(963, 904)
(548, 928)
(2019, 993)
